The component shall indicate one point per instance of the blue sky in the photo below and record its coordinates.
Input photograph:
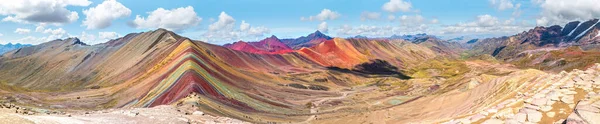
(263, 18)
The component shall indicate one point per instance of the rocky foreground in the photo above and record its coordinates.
(567, 97)
(571, 98)
(166, 114)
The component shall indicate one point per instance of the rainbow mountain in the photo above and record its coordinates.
(316, 78)
(160, 68)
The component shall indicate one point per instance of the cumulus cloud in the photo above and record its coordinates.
(52, 34)
(223, 30)
(40, 11)
(244, 26)
(101, 16)
(107, 35)
(487, 24)
(407, 20)
(323, 27)
(87, 38)
(391, 17)
(517, 10)
(39, 28)
(507, 4)
(255, 31)
(325, 14)
(175, 19)
(502, 4)
(22, 31)
(407, 24)
(369, 16)
(561, 11)
(396, 5)
(379, 31)
(225, 22)
(58, 31)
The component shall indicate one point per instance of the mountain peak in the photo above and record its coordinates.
(318, 34)
(75, 41)
(273, 37)
(162, 29)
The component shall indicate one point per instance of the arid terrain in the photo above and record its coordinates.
(538, 76)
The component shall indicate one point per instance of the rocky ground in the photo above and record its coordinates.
(166, 114)
(586, 111)
(567, 97)
(553, 98)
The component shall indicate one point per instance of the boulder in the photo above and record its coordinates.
(521, 117)
(586, 111)
(567, 99)
(534, 116)
(198, 113)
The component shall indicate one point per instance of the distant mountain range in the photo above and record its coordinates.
(574, 46)
(274, 45)
(8, 47)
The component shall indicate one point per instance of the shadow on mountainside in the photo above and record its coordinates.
(374, 68)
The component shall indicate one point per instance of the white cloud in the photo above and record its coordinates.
(51, 34)
(561, 11)
(101, 16)
(435, 21)
(408, 24)
(58, 31)
(40, 11)
(325, 14)
(223, 30)
(258, 31)
(411, 20)
(176, 19)
(517, 11)
(369, 16)
(225, 22)
(244, 26)
(507, 4)
(502, 4)
(107, 35)
(487, 24)
(87, 38)
(391, 17)
(22, 31)
(1, 34)
(323, 27)
(396, 5)
(379, 31)
(39, 28)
